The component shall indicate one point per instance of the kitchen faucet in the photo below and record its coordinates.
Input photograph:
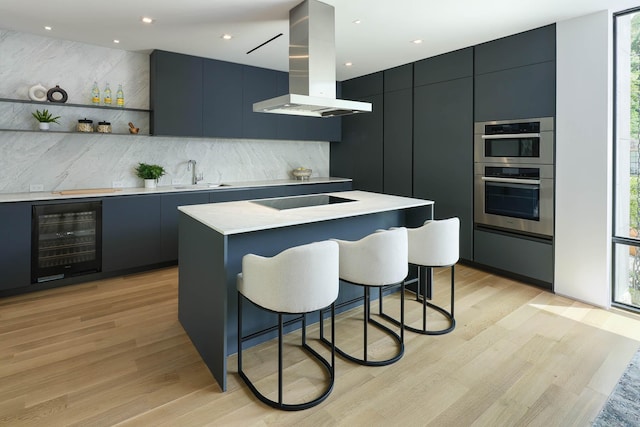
(191, 166)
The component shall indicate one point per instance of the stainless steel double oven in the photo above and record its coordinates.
(513, 176)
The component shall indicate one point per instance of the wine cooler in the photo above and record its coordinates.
(66, 240)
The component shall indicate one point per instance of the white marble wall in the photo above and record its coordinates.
(26, 60)
(63, 161)
(67, 161)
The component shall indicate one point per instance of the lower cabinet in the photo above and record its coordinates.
(130, 232)
(528, 257)
(138, 231)
(169, 220)
(15, 250)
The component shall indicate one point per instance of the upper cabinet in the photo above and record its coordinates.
(530, 47)
(362, 87)
(222, 104)
(259, 84)
(515, 76)
(192, 96)
(449, 66)
(176, 94)
(517, 93)
(300, 127)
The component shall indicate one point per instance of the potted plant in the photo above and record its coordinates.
(150, 174)
(45, 117)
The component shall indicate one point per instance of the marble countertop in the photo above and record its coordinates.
(245, 216)
(42, 195)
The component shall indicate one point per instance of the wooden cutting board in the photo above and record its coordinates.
(86, 191)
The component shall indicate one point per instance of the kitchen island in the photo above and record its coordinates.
(213, 238)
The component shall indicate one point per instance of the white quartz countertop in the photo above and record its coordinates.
(245, 216)
(46, 195)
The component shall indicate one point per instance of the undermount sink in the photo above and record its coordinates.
(200, 185)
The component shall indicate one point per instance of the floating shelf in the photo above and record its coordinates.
(66, 104)
(73, 132)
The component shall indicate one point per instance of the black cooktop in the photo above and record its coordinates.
(283, 203)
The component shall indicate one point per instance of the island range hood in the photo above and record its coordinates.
(312, 67)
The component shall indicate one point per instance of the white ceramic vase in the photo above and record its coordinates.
(44, 126)
(150, 183)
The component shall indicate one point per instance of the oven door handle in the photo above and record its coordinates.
(511, 180)
(512, 136)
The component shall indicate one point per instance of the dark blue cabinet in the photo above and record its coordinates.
(305, 128)
(130, 232)
(361, 87)
(176, 94)
(527, 258)
(258, 84)
(449, 66)
(515, 77)
(443, 139)
(139, 232)
(529, 47)
(222, 99)
(443, 152)
(15, 250)
(169, 220)
(192, 96)
(517, 93)
(398, 78)
(398, 131)
(360, 153)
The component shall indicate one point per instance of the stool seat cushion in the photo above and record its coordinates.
(301, 279)
(435, 244)
(378, 259)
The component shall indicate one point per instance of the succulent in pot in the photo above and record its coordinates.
(45, 118)
(150, 174)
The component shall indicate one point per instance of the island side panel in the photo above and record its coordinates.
(202, 292)
(272, 241)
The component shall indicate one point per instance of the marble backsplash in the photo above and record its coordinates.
(27, 59)
(61, 161)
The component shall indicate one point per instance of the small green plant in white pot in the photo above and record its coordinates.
(150, 174)
(44, 118)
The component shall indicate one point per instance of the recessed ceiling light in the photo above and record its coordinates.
(357, 21)
(348, 64)
(48, 28)
(147, 20)
(226, 36)
(116, 41)
(416, 41)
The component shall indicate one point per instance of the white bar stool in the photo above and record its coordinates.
(298, 280)
(435, 244)
(375, 261)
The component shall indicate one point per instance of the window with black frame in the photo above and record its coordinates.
(626, 235)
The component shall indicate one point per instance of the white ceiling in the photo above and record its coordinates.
(382, 39)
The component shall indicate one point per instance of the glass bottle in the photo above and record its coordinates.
(107, 95)
(95, 94)
(120, 96)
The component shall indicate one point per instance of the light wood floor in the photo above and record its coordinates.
(113, 353)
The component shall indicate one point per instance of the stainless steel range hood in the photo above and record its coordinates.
(312, 67)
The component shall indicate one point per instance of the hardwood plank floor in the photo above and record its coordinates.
(112, 352)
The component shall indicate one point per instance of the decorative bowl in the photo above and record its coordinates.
(301, 173)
